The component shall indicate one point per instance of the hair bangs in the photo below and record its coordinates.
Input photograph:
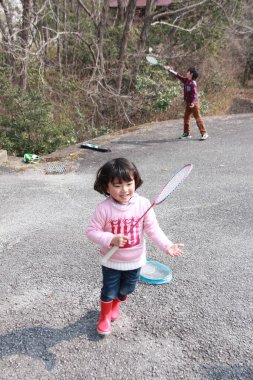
(122, 174)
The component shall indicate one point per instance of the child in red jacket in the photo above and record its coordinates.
(191, 101)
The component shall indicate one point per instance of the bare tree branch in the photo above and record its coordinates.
(180, 10)
(8, 17)
(245, 29)
(86, 9)
(178, 27)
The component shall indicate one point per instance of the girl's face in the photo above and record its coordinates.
(121, 191)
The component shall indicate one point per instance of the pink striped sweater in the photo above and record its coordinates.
(112, 218)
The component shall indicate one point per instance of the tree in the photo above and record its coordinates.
(26, 41)
(123, 45)
(55, 47)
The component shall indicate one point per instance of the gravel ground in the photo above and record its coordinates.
(198, 327)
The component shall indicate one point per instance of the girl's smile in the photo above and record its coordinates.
(121, 191)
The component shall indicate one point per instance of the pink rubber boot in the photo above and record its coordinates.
(104, 322)
(115, 308)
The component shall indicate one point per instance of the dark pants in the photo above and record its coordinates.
(189, 111)
(118, 283)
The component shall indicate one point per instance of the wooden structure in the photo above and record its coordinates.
(140, 3)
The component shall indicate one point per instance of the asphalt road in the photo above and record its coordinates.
(198, 327)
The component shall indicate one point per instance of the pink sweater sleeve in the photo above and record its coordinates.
(154, 232)
(95, 230)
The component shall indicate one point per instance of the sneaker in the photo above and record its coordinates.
(204, 136)
(185, 136)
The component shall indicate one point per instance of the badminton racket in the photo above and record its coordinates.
(179, 177)
(153, 61)
(155, 273)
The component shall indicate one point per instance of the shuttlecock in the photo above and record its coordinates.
(150, 49)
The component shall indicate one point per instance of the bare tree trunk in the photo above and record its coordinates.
(59, 44)
(6, 27)
(75, 44)
(248, 69)
(120, 13)
(65, 38)
(101, 31)
(25, 41)
(8, 16)
(123, 47)
(46, 39)
(141, 45)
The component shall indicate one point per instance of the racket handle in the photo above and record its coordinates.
(109, 254)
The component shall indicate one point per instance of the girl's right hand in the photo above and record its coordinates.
(119, 240)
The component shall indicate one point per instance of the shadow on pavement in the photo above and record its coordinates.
(144, 142)
(239, 371)
(35, 342)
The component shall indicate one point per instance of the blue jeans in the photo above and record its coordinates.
(118, 283)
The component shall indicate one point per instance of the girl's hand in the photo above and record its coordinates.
(119, 240)
(175, 250)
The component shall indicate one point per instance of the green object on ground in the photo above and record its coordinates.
(31, 158)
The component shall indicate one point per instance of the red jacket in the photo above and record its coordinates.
(190, 89)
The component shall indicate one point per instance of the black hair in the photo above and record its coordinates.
(119, 168)
(194, 72)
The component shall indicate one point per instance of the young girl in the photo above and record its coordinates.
(114, 224)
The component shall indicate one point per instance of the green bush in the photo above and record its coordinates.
(96, 132)
(27, 125)
(165, 98)
(157, 89)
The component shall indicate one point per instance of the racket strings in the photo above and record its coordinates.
(153, 272)
(152, 60)
(173, 183)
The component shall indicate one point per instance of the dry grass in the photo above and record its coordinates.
(220, 103)
(231, 100)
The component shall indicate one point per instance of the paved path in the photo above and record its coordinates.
(198, 327)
